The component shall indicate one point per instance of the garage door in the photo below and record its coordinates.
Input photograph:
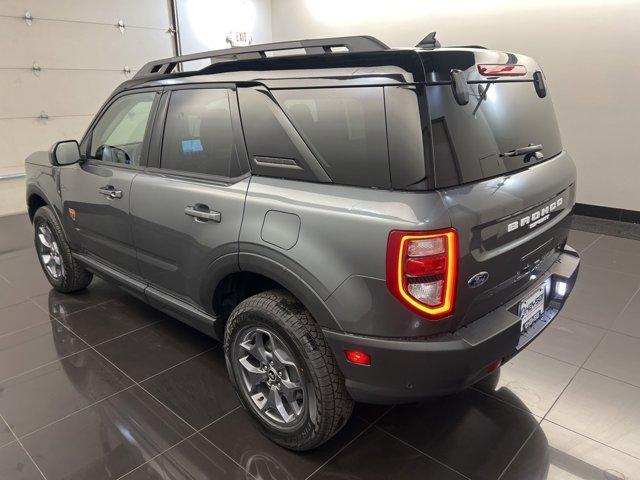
(81, 50)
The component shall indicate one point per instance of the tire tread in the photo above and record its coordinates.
(332, 395)
(76, 276)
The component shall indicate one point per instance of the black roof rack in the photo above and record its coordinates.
(318, 46)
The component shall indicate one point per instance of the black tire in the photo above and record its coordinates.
(74, 276)
(327, 404)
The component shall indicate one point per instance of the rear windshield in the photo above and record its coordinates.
(500, 117)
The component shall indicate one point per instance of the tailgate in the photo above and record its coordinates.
(511, 227)
(500, 168)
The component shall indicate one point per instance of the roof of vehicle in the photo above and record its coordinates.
(338, 59)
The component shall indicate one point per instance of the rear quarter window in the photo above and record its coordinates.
(346, 130)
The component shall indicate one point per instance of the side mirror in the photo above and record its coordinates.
(66, 152)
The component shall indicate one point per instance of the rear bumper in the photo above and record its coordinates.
(404, 370)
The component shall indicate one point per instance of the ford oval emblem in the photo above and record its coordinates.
(478, 279)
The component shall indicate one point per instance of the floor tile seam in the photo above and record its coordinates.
(606, 329)
(626, 305)
(421, 452)
(608, 269)
(93, 404)
(72, 313)
(610, 377)
(504, 471)
(12, 304)
(26, 328)
(595, 440)
(340, 450)
(378, 418)
(600, 235)
(23, 447)
(505, 402)
(11, 254)
(207, 439)
(151, 459)
(177, 364)
(573, 378)
(80, 410)
(136, 383)
(54, 318)
(46, 364)
(531, 349)
(148, 393)
(117, 337)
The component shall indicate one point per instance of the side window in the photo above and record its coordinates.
(406, 138)
(346, 128)
(119, 134)
(275, 148)
(198, 134)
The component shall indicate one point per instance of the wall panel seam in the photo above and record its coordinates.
(114, 25)
(70, 115)
(71, 69)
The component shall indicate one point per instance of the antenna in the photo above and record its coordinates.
(429, 42)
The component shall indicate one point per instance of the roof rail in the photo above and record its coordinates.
(317, 46)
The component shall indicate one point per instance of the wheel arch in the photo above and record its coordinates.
(35, 200)
(246, 274)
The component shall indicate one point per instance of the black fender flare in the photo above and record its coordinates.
(293, 278)
(283, 271)
(35, 190)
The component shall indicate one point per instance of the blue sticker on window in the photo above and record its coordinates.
(190, 146)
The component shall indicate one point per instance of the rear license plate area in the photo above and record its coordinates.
(531, 308)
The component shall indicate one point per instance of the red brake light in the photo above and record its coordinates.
(422, 270)
(493, 366)
(357, 357)
(502, 70)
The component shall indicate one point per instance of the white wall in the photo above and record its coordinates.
(204, 24)
(82, 54)
(588, 49)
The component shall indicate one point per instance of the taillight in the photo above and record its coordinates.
(502, 70)
(422, 269)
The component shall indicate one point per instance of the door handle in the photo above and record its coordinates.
(110, 192)
(201, 213)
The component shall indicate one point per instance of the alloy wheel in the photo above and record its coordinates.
(49, 252)
(270, 376)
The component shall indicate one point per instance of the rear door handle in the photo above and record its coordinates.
(202, 213)
(110, 192)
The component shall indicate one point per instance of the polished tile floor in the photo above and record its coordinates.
(100, 386)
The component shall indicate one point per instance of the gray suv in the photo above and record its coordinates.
(354, 222)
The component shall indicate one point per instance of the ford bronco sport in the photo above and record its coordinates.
(354, 222)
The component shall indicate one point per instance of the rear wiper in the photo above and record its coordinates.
(529, 151)
(483, 96)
